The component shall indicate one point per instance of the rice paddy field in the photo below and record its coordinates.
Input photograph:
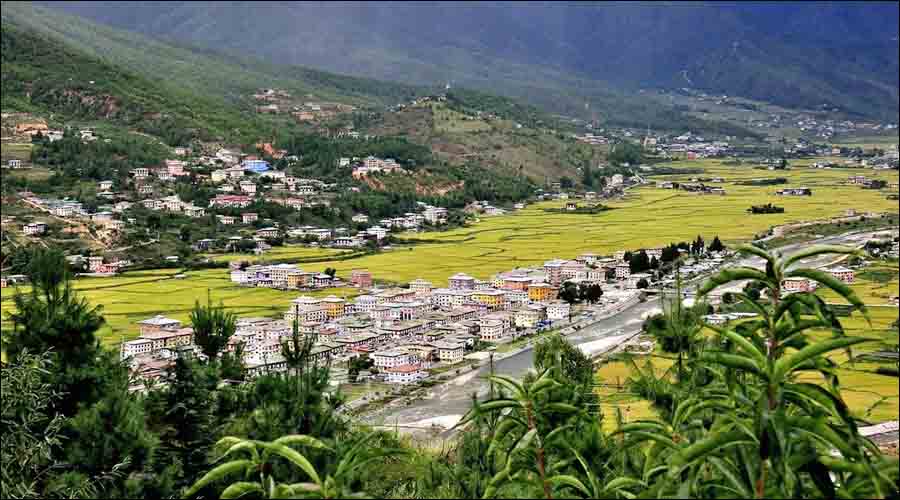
(280, 253)
(139, 295)
(646, 217)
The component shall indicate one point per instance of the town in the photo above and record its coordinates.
(402, 333)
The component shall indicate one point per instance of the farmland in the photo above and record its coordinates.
(647, 217)
(138, 295)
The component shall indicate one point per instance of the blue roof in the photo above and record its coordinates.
(257, 166)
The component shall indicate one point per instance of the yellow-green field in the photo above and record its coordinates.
(647, 217)
(278, 253)
(139, 295)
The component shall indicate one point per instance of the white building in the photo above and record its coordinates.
(558, 310)
(406, 374)
(491, 330)
(35, 228)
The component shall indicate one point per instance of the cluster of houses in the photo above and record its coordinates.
(371, 165)
(104, 218)
(404, 331)
(797, 191)
(865, 182)
(175, 205)
(799, 284)
(281, 276)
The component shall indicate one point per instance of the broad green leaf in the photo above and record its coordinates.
(239, 489)
(737, 362)
(499, 404)
(817, 250)
(496, 481)
(510, 383)
(294, 457)
(219, 473)
(708, 446)
(571, 481)
(787, 364)
(729, 276)
(725, 469)
(561, 408)
(835, 285)
(503, 429)
(525, 442)
(759, 252)
(745, 345)
(651, 436)
(301, 440)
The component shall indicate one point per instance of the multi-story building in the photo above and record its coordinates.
(529, 316)
(421, 287)
(361, 278)
(307, 310)
(365, 303)
(449, 352)
(842, 273)
(491, 330)
(793, 285)
(334, 306)
(623, 271)
(461, 281)
(541, 292)
(558, 310)
(493, 299)
(403, 375)
(155, 324)
(516, 282)
(573, 270)
(391, 358)
(435, 215)
(553, 268)
(268, 232)
(175, 168)
(35, 228)
(230, 201)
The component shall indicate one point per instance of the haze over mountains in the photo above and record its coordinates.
(842, 55)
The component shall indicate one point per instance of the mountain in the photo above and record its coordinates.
(203, 70)
(43, 76)
(842, 55)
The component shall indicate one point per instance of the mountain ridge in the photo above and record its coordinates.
(588, 49)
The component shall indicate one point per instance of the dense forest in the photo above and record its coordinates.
(736, 416)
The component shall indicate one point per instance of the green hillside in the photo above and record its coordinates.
(43, 76)
(233, 74)
(214, 74)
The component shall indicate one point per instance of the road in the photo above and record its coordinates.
(446, 403)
